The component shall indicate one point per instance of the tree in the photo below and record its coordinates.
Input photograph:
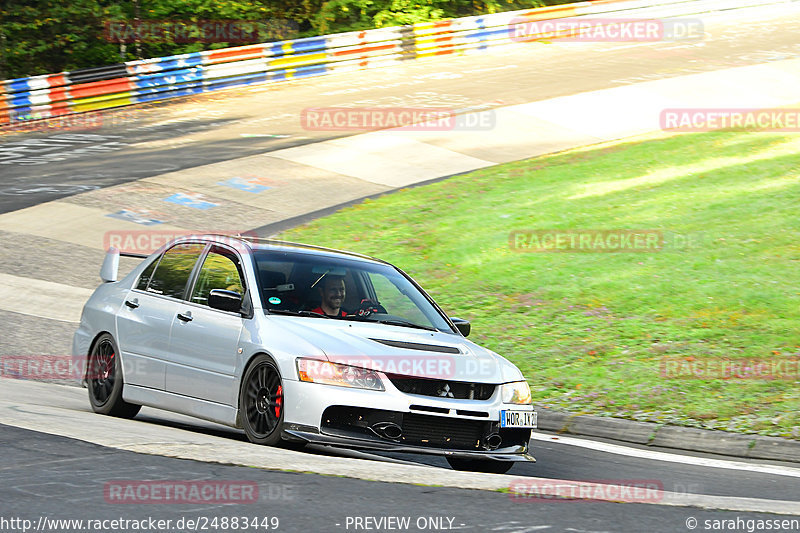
(42, 36)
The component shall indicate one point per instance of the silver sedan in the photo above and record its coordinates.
(293, 342)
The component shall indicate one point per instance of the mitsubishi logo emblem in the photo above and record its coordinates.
(445, 392)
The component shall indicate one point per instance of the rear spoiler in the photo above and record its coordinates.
(110, 269)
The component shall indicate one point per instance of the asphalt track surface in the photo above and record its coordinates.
(62, 478)
(559, 461)
(141, 142)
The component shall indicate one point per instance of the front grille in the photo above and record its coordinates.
(439, 388)
(418, 429)
(442, 432)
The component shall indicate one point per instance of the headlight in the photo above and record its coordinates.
(517, 392)
(327, 373)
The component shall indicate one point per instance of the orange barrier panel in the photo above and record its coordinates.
(364, 49)
(544, 13)
(98, 88)
(59, 94)
(235, 54)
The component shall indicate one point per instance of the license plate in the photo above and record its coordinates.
(517, 419)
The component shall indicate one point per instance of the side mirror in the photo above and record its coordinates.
(462, 325)
(225, 300)
(110, 268)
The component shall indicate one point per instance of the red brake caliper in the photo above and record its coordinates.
(279, 401)
(109, 366)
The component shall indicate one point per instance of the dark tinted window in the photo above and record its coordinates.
(220, 270)
(145, 277)
(292, 282)
(173, 271)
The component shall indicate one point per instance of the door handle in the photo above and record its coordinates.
(185, 317)
(133, 304)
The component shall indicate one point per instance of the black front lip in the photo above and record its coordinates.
(510, 453)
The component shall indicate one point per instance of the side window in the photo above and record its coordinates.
(220, 270)
(173, 271)
(144, 279)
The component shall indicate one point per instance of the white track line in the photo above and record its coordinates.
(667, 457)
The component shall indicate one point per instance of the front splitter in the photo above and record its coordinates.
(511, 453)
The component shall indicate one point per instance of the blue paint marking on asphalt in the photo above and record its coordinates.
(245, 184)
(190, 200)
(133, 216)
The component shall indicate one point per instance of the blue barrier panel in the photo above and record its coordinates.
(245, 79)
(297, 72)
(484, 35)
(194, 60)
(286, 48)
(17, 100)
(481, 24)
(148, 95)
(310, 70)
(276, 49)
(144, 81)
(166, 63)
(309, 44)
(17, 85)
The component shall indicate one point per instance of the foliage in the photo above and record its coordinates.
(42, 37)
(347, 15)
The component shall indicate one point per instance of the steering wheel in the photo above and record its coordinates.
(367, 307)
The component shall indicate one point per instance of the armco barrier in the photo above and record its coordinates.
(41, 97)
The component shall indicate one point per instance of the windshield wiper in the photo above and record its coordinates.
(405, 323)
(297, 313)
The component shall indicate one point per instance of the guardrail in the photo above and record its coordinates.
(141, 81)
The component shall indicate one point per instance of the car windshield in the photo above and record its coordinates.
(304, 284)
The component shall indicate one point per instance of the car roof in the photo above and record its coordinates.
(258, 243)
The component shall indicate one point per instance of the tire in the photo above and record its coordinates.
(261, 402)
(105, 382)
(480, 465)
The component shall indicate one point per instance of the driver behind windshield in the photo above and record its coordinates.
(332, 293)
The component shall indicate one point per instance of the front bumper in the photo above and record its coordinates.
(345, 417)
(513, 453)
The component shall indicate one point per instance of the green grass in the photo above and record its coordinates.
(589, 329)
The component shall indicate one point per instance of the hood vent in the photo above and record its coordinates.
(419, 346)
